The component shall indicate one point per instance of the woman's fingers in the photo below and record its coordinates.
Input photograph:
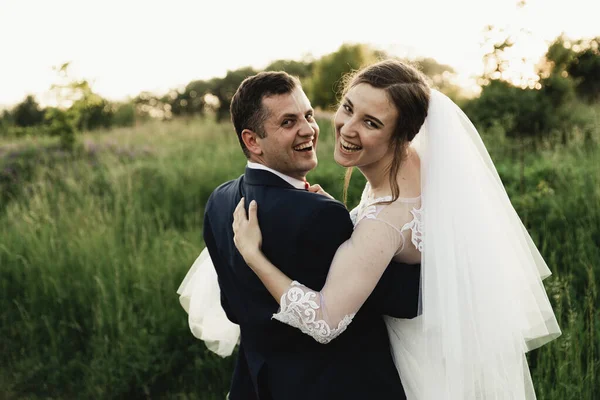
(252, 212)
(246, 231)
(239, 215)
(239, 209)
(316, 188)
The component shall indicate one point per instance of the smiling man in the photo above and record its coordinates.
(275, 125)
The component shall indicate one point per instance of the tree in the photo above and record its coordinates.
(433, 69)
(301, 69)
(192, 99)
(585, 69)
(496, 60)
(6, 120)
(521, 112)
(149, 105)
(28, 113)
(441, 76)
(123, 114)
(65, 118)
(329, 71)
(564, 76)
(62, 125)
(91, 111)
(224, 89)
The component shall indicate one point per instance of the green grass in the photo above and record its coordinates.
(93, 246)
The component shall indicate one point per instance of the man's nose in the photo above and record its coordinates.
(307, 129)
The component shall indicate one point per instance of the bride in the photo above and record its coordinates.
(433, 196)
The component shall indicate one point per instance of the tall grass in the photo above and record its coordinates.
(93, 246)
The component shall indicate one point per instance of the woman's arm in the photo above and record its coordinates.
(356, 268)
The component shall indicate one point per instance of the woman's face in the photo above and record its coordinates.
(364, 124)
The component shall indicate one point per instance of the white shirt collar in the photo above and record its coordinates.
(297, 183)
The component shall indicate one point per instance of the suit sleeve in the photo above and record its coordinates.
(215, 257)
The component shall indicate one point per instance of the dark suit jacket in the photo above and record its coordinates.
(301, 233)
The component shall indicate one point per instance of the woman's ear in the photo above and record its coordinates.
(250, 139)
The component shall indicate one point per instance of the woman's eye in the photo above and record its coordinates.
(347, 108)
(310, 117)
(371, 124)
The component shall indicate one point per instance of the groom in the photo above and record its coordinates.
(275, 125)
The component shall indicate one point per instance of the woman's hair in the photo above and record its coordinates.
(406, 88)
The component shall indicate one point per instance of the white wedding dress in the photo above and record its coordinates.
(200, 296)
(483, 304)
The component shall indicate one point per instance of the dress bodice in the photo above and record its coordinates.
(404, 215)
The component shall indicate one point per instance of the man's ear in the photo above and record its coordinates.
(250, 139)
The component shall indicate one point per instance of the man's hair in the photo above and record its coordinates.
(247, 111)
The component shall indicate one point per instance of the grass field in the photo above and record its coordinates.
(94, 244)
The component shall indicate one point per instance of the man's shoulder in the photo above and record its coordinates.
(224, 189)
(312, 204)
(320, 201)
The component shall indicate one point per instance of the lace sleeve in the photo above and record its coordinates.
(299, 308)
(355, 270)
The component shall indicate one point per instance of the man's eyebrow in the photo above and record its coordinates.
(292, 115)
(366, 115)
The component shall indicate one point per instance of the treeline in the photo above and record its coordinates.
(559, 102)
(555, 102)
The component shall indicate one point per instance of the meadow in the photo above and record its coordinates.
(94, 244)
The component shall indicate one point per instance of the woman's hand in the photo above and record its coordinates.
(248, 240)
(318, 189)
(246, 232)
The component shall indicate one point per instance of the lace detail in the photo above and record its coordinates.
(370, 206)
(415, 225)
(299, 309)
(370, 212)
(367, 208)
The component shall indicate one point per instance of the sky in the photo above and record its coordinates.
(124, 47)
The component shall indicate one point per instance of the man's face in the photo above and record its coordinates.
(290, 144)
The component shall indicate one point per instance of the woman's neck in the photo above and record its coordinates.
(378, 178)
(378, 174)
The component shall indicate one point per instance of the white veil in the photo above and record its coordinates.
(482, 299)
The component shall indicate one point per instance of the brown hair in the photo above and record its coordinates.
(247, 111)
(407, 89)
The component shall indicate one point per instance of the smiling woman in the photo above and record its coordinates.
(380, 114)
(363, 138)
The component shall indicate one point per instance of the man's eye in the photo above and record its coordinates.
(287, 122)
(310, 117)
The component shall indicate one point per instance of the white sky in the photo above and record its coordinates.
(127, 46)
